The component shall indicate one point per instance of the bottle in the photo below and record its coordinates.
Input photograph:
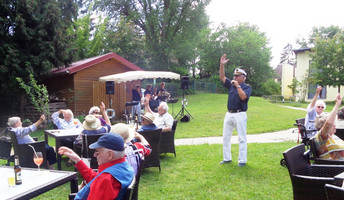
(17, 171)
(137, 122)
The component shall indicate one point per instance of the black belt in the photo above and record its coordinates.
(235, 111)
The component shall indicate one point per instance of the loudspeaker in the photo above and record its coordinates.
(110, 87)
(184, 84)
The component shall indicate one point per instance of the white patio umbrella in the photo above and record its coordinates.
(139, 75)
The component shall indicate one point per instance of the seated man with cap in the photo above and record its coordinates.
(147, 122)
(114, 173)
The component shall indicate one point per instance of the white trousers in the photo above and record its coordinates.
(137, 110)
(239, 122)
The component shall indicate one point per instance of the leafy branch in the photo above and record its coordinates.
(38, 94)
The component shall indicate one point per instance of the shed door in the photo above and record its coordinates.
(118, 99)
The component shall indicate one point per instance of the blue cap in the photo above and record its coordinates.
(111, 141)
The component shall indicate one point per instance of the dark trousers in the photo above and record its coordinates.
(51, 155)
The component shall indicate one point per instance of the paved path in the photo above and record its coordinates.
(279, 136)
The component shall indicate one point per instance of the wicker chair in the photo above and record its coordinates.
(135, 193)
(25, 152)
(153, 138)
(308, 180)
(318, 160)
(5, 150)
(130, 190)
(86, 152)
(334, 192)
(167, 140)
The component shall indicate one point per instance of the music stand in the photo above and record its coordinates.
(172, 101)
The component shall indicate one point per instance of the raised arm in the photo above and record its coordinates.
(106, 117)
(40, 121)
(146, 103)
(326, 129)
(315, 98)
(223, 61)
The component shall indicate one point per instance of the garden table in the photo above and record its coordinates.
(59, 134)
(35, 182)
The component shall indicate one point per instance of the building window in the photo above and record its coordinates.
(312, 89)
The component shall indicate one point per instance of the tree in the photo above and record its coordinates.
(246, 47)
(288, 55)
(293, 86)
(170, 28)
(328, 61)
(33, 35)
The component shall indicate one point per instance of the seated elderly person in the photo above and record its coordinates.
(163, 119)
(147, 122)
(133, 142)
(114, 173)
(68, 122)
(92, 126)
(314, 109)
(23, 136)
(328, 145)
(131, 138)
(95, 110)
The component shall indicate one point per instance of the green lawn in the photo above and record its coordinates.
(196, 174)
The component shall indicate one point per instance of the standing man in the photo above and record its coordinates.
(136, 92)
(238, 96)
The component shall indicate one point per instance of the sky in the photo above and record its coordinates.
(282, 21)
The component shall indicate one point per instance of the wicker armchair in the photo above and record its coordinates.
(334, 192)
(25, 152)
(308, 180)
(135, 193)
(86, 152)
(153, 138)
(340, 133)
(5, 150)
(318, 160)
(167, 140)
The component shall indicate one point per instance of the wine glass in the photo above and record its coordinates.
(38, 159)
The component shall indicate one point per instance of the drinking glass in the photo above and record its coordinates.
(38, 159)
(11, 181)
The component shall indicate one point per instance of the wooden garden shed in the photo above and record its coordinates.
(78, 84)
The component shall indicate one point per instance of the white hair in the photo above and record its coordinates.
(69, 111)
(164, 106)
(94, 108)
(12, 121)
(320, 103)
(116, 154)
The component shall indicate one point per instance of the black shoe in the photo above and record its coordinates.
(225, 162)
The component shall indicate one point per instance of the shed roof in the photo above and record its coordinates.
(302, 50)
(83, 64)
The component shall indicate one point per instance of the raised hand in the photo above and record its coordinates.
(224, 59)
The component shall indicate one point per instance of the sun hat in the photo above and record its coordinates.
(91, 123)
(148, 116)
(109, 141)
(123, 130)
(239, 71)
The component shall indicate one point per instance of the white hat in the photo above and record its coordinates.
(149, 116)
(239, 71)
(91, 123)
(123, 130)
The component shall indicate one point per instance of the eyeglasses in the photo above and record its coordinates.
(96, 113)
(321, 107)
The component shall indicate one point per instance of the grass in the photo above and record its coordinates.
(196, 174)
